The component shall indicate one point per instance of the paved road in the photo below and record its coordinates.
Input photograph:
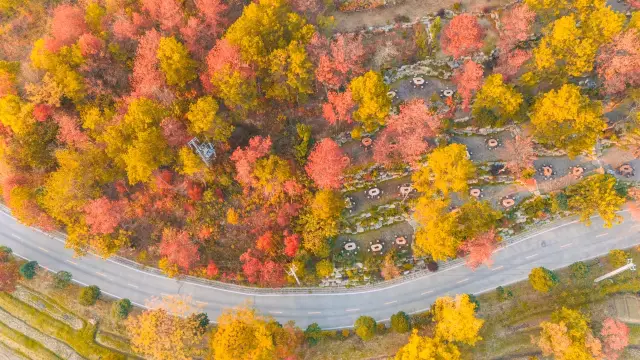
(555, 246)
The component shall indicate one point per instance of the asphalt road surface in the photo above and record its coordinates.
(553, 246)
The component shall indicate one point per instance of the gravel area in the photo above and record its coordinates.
(36, 301)
(61, 349)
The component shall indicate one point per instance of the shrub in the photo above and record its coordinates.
(400, 322)
(618, 258)
(61, 279)
(579, 270)
(89, 295)
(503, 294)
(473, 299)
(346, 333)
(365, 327)
(5, 252)
(313, 334)
(121, 308)
(381, 328)
(203, 321)
(432, 266)
(28, 270)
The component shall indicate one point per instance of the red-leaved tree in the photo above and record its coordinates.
(338, 107)
(245, 158)
(69, 131)
(272, 274)
(618, 62)
(167, 12)
(343, 61)
(66, 26)
(267, 243)
(251, 266)
(616, 337)
(468, 79)
(405, 137)
(519, 154)
(175, 132)
(147, 79)
(509, 63)
(326, 164)
(213, 12)
(516, 26)
(90, 44)
(224, 58)
(179, 249)
(291, 245)
(103, 215)
(480, 249)
(212, 269)
(462, 36)
(42, 112)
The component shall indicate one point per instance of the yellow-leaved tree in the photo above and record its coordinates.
(448, 170)
(166, 333)
(175, 63)
(455, 323)
(568, 336)
(496, 102)
(568, 120)
(136, 143)
(204, 120)
(596, 194)
(244, 334)
(369, 92)
(436, 235)
(455, 319)
(319, 221)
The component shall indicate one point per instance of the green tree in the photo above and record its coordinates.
(324, 268)
(62, 279)
(175, 63)
(313, 334)
(301, 149)
(365, 327)
(579, 270)
(542, 279)
(28, 269)
(202, 320)
(203, 120)
(121, 308)
(567, 120)
(400, 322)
(618, 258)
(369, 92)
(89, 295)
(596, 194)
(496, 102)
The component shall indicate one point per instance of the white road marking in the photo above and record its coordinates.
(314, 312)
(427, 292)
(391, 302)
(635, 226)
(497, 268)
(350, 310)
(605, 234)
(16, 236)
(133, 286)
(461, 281)
(101, 274)
(276, 312)
(71, 262)
(202, 303)
(565, 245)
(530, 256)
(43, 249)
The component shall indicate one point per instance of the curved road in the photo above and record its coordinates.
(554, 246)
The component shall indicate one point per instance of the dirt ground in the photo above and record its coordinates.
(352, 21)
